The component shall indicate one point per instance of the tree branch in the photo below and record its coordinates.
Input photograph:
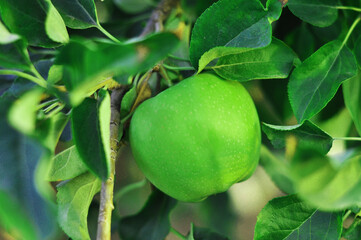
(161, 13)
(106, 194)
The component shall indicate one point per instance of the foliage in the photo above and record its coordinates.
(59, 72)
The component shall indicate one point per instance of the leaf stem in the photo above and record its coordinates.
(40, 81)
(178, 58)
(178, 234)
(54, 112)
(52, 106)
(163, 72)
(346, 215)
(177, 68)
(47, 103)
(349, 8)
(106, 33)
(347, 138)
(354, 24)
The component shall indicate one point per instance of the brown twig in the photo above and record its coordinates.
(106, 194)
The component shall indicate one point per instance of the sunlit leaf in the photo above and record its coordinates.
(273, 61)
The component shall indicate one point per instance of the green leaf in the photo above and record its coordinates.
(134, 6)
(274, 10)
(228, 23)
(78, 14)
(290, 218)
(302, 41)
(321, 13)
(197, 233)
(307, 134)
(91, 132)
(87, 63)
(14, 219)
(19, 157)
(13, 53)
(352, 97)
(314, 83)
(357, 51)
(54, 25)
(48, 130)
(152, 222)
(66, 165)
(37, 21)
(22, 113)
(328, 183)
(74, 198)
(278, 169)
(273, 61)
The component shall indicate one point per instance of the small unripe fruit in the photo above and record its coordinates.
(197, 138)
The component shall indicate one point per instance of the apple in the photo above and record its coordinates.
(197, 138)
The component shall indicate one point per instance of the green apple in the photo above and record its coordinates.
(197, 138)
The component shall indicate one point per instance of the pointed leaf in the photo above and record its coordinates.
(314, 83)
(74, 198)
(307, 134)
(197, 233)
(66, 165)
(274, 10)
(228, 23)
(352, 97)
(47, 28)
(78, 14)
(290, 218)
(273, 61)
(13, 53)
(152, 222)
(91, 131)
(321, 13)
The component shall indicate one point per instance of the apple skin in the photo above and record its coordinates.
(197, 138)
